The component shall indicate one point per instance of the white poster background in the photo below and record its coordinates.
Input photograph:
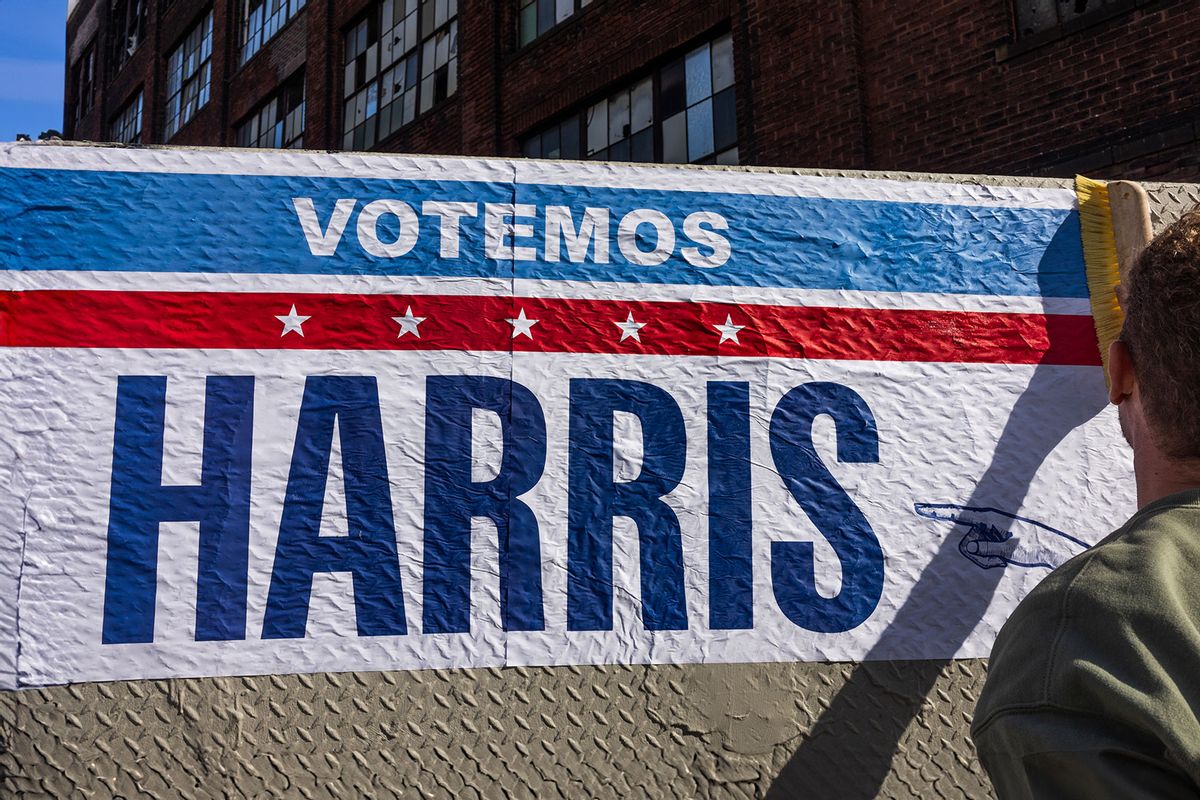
(1060, 461)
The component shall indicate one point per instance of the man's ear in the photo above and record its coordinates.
(1122, 380)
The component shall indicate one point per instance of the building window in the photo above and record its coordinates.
(83, 82)
(126, 31)
(279, 122)
(535, 17)
(126, 128)
(1035, 16)
(189, 75)
(560, 140)
(683, 113)
(401, 59)
(261, 20)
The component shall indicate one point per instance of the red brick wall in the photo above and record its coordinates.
(940, 98)
(932, 85)
(805, 84)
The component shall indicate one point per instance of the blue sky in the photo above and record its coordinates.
(32, 44)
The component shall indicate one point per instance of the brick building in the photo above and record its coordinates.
(1105, 87)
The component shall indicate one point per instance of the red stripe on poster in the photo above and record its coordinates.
(281, 321)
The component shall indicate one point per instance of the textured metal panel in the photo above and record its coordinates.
(886, 729)
(1169, 200)
(710, 731)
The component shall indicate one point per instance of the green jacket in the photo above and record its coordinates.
(1093, 688)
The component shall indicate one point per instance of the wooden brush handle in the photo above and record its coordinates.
(1130, 208)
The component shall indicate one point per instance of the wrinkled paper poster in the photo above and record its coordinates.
(292, 412)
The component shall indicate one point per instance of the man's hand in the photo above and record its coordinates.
(995, 538)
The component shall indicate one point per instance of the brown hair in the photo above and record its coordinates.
(1162, 332)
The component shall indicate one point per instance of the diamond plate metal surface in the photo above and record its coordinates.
(883, 729)
(665, 731)
(1169, 200)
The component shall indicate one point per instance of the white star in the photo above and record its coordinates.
(729, 331)
(292, 322)
(629, 328)
(522, 325)
(408, 323)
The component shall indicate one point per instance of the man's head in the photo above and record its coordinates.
(1155, 365)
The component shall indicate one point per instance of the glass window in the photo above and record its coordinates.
(279, 122)
(189, 75)
(535, 17)
(560, 140)
(1035, 16)
(400, 60)
(126, 128)
(127, 28)
(83, 82)
(691, 118)
(261, 20)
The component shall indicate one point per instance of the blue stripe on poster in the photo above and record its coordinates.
(125, 221)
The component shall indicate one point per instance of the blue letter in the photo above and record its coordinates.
(369, 551)
(730, 571)
(793, 575)
(595, 498)
(138, 502)
(452, 499)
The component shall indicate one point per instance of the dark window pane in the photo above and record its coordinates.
(619, 151)
(528, 23)
(570, 138)
(427, 26)
(532, 147)
(725, 119)
(385, 121)
(643, 146)
(440, 84)
(674, 92)
(550, 143)
(545, 16)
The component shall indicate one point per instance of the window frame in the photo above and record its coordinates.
(264, 33)
(369, 105)
(279, 99)
(135, 20)
(138, 101)
(581, 116)
(201, 76)
(1024, 42)
(88, 59)
(577, 7)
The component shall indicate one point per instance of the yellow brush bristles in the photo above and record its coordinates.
(1100, 260)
